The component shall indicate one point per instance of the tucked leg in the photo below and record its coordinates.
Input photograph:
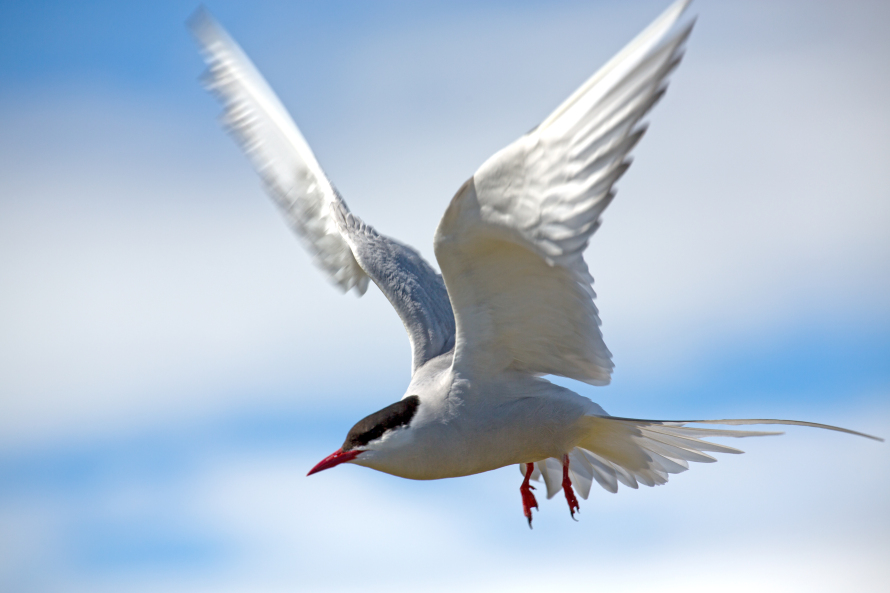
(528, 499)
(567, 488)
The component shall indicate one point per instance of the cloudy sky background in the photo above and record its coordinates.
(171, 364)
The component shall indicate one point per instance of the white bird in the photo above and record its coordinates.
(514, 301)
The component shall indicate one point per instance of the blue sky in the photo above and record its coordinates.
(171, 364)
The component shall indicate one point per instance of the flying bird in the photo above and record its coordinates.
(514, 301)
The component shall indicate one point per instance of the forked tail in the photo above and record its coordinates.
(633, 451)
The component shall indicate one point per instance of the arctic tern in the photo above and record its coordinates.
(514, 301)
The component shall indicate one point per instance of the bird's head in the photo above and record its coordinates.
(370, 433)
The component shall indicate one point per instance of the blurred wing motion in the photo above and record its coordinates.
(277, 150)
(342, 245)
(511, 243)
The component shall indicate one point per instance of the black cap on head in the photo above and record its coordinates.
(374, 426)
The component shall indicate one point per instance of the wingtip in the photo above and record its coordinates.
(682, 4)
(674, 11)
(204, 27)
(199, 19)
(639, 46)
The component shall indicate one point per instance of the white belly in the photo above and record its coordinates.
(466, 428)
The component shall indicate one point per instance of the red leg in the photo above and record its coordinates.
(567, 488)
(528, 499)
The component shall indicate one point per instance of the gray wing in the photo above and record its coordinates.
(347, 249)
(410, 284)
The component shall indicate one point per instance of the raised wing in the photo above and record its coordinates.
(341, 245)
(511, 243)
(262, 127)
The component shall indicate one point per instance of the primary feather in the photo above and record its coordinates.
(343, 246)
(511, 244)
(268, 136)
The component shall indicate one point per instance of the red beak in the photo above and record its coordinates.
(336, 458)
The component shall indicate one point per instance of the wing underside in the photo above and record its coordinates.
(511, 243)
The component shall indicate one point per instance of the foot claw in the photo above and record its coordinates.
(567, 488)
(528, 499)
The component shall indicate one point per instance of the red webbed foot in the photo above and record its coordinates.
(567, 488)
(528, 499)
